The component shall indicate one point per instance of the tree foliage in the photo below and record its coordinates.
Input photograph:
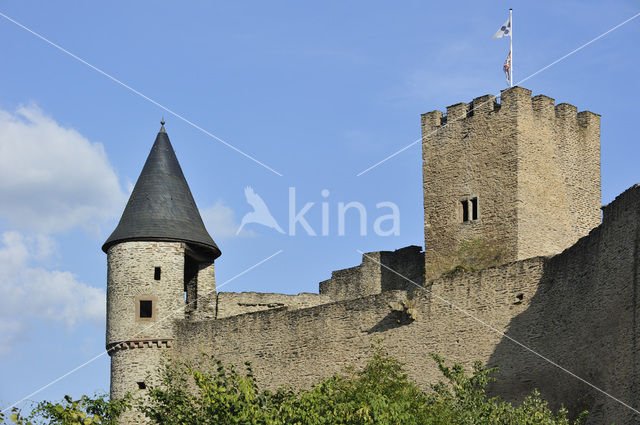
(98, 410)
(379, 394)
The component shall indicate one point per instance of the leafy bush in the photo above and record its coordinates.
(98, 410)
(379, 394)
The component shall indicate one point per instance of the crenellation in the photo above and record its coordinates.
(432, 120)
(566, 111)
(376, 274)
(587, 119)
(233, 304)
(507, 161)
(515, 98)
(484, 104)
(457, 112)
(543, 106)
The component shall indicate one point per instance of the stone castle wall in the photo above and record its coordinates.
(584, 316)
(578, 309)
(233, 304)
(533, 167)
(470, 152)
(373, 276)
(298, 348)
(558, 173)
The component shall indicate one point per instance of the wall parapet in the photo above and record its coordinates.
(381, 271)
(514, 98)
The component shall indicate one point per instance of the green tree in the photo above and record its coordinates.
(380, 394)
(98, 410)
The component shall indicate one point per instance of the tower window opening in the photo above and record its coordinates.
(142, 385)
(465, 210)
(468, 209)
(156, 273)
(474, 208)
(146, 309)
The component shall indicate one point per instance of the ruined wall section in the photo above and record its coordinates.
(558, 173)
(372, 277)
(232, 303)
(403, 269)
(470, 152)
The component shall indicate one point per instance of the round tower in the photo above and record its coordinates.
(160, 269)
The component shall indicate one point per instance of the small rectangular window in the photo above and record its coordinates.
(142, 385)
(468, 210)
(465, 210)
(146, 309)
(474, 208)
(156, 273)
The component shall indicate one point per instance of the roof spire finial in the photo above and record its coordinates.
(162, 130)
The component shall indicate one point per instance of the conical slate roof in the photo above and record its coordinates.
(161, 207)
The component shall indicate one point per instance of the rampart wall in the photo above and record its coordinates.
(578, 309)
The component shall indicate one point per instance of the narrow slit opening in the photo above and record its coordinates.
(474, 208)
(465, 210)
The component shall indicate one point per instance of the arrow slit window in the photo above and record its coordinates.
(468, 210)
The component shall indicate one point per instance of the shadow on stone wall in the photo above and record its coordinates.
(393, 320)
(583, 317)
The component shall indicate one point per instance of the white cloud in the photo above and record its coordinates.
(30, 292)
(52, 178)
(221, 222)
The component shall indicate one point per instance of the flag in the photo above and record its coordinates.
(505, 30)
(507, 67)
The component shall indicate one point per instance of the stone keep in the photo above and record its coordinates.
(523, 174)
(160, 257)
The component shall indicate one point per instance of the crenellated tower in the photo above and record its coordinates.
(160, 269)
(522, 173)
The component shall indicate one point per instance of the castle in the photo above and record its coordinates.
(560, 314)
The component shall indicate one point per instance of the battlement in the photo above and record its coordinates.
(519, 171)
(513, 99)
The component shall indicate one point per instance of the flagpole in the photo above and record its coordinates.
(511, 48)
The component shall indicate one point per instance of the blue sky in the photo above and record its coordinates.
(318, 92)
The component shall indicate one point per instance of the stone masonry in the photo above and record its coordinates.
(523, 174)
(533, 168)
(577, 308)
